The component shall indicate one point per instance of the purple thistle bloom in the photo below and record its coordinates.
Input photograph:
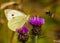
(23, 30)
(36, 21)
(23, 34)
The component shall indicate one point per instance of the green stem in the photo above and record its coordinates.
(34, 39)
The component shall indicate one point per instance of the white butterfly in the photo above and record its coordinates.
(16, 19)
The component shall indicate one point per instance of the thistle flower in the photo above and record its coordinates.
(23, 30)
(36, 21)
(23, 34)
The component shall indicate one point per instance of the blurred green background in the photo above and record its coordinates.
(33, 7)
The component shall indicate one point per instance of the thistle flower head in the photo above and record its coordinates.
(23, 30)
(36, 21)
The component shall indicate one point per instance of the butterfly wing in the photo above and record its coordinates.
(16, 19)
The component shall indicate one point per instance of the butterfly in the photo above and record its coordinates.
(16, 19)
